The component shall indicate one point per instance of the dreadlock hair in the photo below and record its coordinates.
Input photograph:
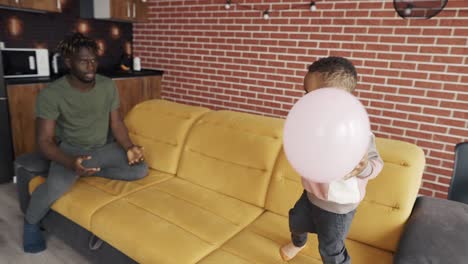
(336, 72)
(72, 44)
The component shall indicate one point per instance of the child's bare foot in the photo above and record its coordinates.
(289, 251)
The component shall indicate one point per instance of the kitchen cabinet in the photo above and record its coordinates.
(39, 5)
(22, 101)
(130, 96)
(122, 10)
(119, 9)
(45, 5)
(142, 11)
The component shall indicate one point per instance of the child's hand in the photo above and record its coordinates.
(358, 169)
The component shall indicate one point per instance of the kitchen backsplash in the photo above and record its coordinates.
(20, 29)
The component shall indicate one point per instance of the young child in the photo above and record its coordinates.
(327, 209)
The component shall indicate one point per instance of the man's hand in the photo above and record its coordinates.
(80, 169)
(135, 155)
(120, 132)
(359, 168)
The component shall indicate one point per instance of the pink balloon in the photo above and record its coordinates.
(327, 133)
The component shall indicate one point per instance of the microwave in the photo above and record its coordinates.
(24, 63)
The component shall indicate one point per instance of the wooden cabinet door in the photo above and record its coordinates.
(121, 9)
(133, 91)
(5, 2)
(12, 3)
(152, 87)
(130, 93)
(45, 5)
(22, 103)
(141, 10)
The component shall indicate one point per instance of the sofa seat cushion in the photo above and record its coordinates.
(261, 240)
(172, 222)
(90, 193)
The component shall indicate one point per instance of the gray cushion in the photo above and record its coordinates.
(33, 162)
(459, 184)
(437, 232)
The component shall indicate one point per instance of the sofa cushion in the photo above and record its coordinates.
(390, 197)
(260, 242)
(285, 187)
(33, 162)
(232, 153)
(381, 216)
(436, 233)
(172, 222)
(162, 127)
(90, 193)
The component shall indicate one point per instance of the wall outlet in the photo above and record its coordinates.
(14, 179)
(2, 45)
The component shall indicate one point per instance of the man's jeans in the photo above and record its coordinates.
(110, 158)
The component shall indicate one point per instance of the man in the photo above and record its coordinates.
(74, 114)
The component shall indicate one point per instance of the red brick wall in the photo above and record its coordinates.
(413, 73)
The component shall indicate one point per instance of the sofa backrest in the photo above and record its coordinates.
(161, 127)
(381, 216)
(232, 153)
(285, 187)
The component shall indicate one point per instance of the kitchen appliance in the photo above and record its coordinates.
(58, 65)
(137, 64)
(6, 146)
(24, 63)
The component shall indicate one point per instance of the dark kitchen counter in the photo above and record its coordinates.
(110, 74)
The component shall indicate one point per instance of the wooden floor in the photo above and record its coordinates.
(11, 231)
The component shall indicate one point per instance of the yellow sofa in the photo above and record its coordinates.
(219, 191)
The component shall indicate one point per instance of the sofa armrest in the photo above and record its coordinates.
(437, 232)
(27, 167)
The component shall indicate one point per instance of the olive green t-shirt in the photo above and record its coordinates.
(82, 118)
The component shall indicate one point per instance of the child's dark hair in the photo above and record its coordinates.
(336, 72)
(72, 44)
